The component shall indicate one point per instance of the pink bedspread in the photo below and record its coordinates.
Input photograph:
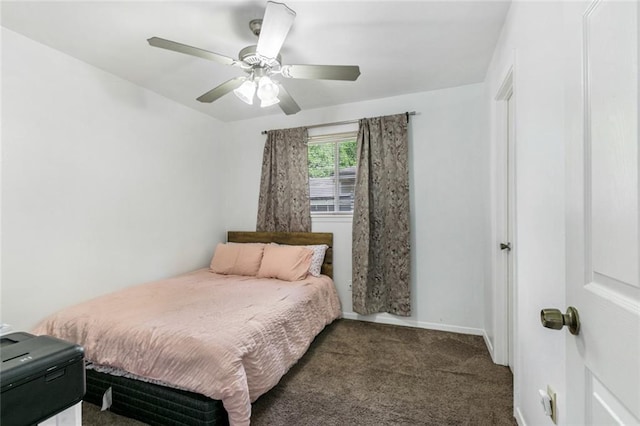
(227, 337)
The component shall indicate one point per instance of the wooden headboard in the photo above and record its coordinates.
(291, 238)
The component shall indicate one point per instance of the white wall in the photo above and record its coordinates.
(532, 42)
(448, 169)
(104, 184)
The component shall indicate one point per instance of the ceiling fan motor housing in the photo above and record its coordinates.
(249, 56)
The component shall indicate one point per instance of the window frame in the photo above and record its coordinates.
(335, 139)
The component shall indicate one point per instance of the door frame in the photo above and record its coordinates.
(503, 299)
(503, 156)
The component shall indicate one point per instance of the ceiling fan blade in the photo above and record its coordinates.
(222, 89)
(277, 22)
(189, 50)
(287, 104)
(322, 72)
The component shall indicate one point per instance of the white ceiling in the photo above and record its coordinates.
(401, 47)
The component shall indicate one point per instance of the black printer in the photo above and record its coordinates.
(39, 377)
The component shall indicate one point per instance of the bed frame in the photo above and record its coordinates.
(161, 405)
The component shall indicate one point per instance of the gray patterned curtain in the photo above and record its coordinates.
(284, 186)
(381, 244)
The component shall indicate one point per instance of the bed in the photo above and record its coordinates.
(199, 348)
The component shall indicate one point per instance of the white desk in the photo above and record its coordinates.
(72, 416)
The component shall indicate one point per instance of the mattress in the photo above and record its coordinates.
(228, 338)
(154, 404)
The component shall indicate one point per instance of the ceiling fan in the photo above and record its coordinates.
(263, 61)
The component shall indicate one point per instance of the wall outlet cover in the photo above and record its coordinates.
(554, 405)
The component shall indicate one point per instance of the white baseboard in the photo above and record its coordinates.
(414, 323)
(518, 416)
(489, 345)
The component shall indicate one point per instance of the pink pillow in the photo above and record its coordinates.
(237, 259)
(317, 259)
(288, 263)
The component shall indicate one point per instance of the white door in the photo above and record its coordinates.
(504, 321)
(603, 247)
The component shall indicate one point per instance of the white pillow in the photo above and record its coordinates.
(317, 258)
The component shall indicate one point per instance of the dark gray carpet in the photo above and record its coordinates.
(359, 373)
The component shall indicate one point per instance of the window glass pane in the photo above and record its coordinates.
(322, 183)
(332, 172)
(346, 174)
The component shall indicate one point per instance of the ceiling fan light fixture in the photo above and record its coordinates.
(246, 91)
(267, 92)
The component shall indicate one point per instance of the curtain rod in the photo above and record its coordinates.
(338, 123)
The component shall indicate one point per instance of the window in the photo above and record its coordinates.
(332, 173)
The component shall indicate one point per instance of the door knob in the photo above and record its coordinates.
(555, 320)
(505, 246)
